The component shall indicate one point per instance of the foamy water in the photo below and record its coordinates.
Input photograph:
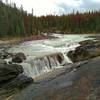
(41, 56)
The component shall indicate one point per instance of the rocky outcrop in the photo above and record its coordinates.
(87, 50)
(2, 61)
(22, 81)
(80, 84)
(86, 42)
(9, 72)
(18, 58)
(4, 55)
(3, 51)
(13, 86)
(79, 54)
(12, 79)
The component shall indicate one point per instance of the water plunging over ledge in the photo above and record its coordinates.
(45, 55)
(37, 66)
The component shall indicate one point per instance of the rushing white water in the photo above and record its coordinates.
(37, 66)
(46, 55)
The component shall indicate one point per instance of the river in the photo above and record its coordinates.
(42, 54)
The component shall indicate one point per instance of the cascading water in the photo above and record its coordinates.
(44, 64)
(46, 55)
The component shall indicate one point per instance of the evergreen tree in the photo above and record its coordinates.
(17, 22)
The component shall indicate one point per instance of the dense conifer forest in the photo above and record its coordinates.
(16, 22)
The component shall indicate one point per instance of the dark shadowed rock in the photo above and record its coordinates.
(13, 86)
(22, 81)
(4, 55)
(8, 72)
(86, 42)
(3, 51)
(60, 58)
(12, 80)
(2, 61)
(87, 50)
(79, 54)
(19, 58)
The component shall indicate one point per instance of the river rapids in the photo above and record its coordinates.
(46, 55)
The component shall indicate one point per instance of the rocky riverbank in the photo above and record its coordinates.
(88, 49)
(82, 83)
(12, 78)
(17, 40)
(57, 84)
(78, 81)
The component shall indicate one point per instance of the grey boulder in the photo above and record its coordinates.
(18, 58)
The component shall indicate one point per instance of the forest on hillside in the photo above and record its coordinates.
(17, 22)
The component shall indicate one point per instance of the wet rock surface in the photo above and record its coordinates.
(78, 82)
(14, 86)
(83, 83)
(18, 58)
(22, 81)
(9, 71)
(12, 78)
(2, 61)
(87, 50)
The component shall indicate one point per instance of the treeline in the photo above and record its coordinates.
(14, 21)
(74, 23)
(17, 22)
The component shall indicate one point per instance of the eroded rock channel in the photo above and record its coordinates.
(56, 70)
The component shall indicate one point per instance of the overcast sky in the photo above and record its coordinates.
(44, 7)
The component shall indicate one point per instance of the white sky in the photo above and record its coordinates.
(44, 7)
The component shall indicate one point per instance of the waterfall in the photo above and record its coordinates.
(35, 67)
(67, 59)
